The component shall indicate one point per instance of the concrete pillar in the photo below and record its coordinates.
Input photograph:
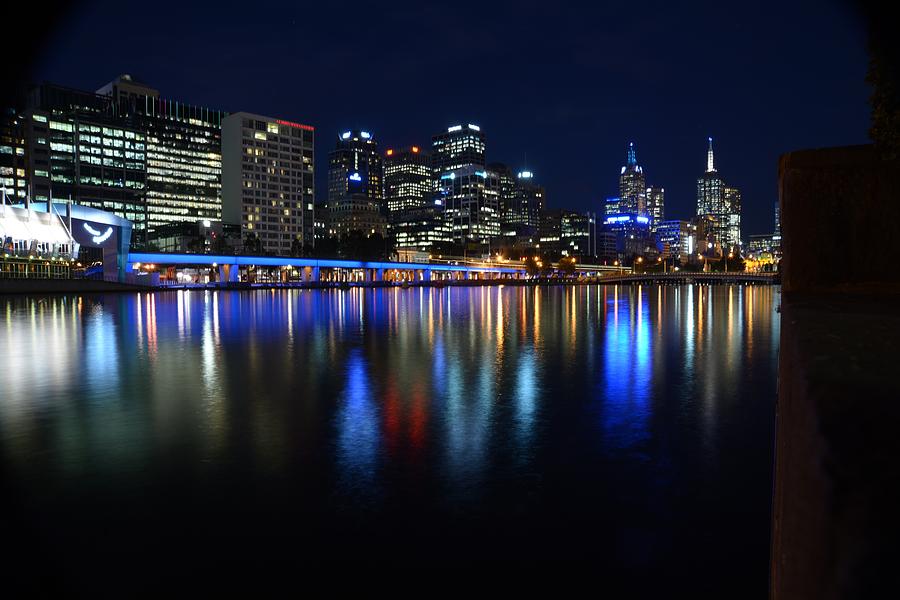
(426, 274)
(314, 273)
(379, 274)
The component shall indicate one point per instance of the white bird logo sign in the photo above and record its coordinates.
(98, 238)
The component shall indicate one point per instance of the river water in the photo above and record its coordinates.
(625, 429)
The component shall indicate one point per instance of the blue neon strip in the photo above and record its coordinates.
(273, 261)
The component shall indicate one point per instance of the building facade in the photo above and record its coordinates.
(460, 146)
(721, 203)
(656, 206)
(268, 180)
(356, 167)
(470, 197)
(632, 185)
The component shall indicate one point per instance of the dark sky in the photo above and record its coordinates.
(568, 84)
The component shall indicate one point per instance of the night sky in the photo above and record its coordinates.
(567, 84)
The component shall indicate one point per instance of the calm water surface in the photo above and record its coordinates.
(628, 430)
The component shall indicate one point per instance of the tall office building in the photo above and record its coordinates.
(460, 146)
(632, 186)
(415, 222)
(711, 199)
(470, 196)
(611, 207)
(183, 152)
(656, 206)
(523, 208)
(407, 179)
(356, 167)
(733, 215)
(267, 183)
(78, 149)
(13, 159)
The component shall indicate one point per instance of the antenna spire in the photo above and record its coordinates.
(710, 162)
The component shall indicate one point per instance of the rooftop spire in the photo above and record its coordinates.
(710, 163)
(632, 160)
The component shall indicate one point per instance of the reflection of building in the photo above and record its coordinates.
(632, 186)
(267, 183)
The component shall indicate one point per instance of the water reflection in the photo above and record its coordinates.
(451, 396)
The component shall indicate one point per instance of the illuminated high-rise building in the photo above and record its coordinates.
(267, 182)
(656, 205)
(470, 197)
(415, 222)
(80, 149)
(407, 179)
(356, 167)
(711, 198)
(632, 186)
(733, 217)
(522, 209)
(460, 146)
(183, 152)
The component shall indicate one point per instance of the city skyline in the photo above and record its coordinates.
(574, 136)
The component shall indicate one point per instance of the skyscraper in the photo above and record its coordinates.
(656, 206)
(356, 167)
(470, 196)
(733, 215)
(415, 222)
(267, 183)
(183, 151)
(711, 198)
(460, 146)
(632, 186)
(78, 148)
(523, 208)
(407, 179)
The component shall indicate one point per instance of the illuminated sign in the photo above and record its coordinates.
(454, 128)
(525, 175)
(475, 127)
(448, 176)
(481, 173)
(355, 177)
(98, 237)
(643, 220)
(365, 134)
(345, 135)
(297, 125)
